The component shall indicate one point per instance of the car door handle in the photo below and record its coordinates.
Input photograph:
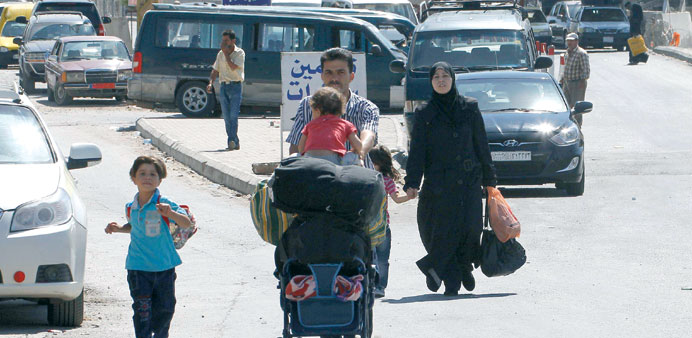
(254, 59)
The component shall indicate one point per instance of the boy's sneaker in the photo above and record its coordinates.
(379, 293)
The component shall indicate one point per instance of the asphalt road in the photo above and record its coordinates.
(611, 263)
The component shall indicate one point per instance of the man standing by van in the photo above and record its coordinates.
(337, 72)
(230, 68)
(577, 71)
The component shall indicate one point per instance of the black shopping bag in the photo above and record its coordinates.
(497, 258)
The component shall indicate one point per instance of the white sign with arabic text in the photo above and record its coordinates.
(301, 76)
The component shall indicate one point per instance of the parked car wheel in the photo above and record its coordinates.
(121, 98)
(576, 189)
(194, 101)
(620, 48)
(27, 83)
(70, 313)
(61, 96)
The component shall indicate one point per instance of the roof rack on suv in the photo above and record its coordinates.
(433, 6)
(59, 12)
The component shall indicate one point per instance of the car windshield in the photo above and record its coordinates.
(536, 16)
(404, 10)
(515, 95)
(22, 140)
(573, 9)
(13, 28)
(52, 31)
(94, 50)
(88, 9)
(603, 15)
(470, 48)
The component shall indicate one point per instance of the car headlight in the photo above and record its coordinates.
(55, 209)
(123, 75)
(567, 135)
(73, 77)
(624, 30)
(586, 30)
(4, 49)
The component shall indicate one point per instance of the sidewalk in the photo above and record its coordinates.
(200, 144)
(684, 54)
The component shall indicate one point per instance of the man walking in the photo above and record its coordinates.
(577, 71)
(337, 72)
(230, 68)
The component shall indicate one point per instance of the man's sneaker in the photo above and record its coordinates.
(379, 293)
(232, 145)
(468, 281)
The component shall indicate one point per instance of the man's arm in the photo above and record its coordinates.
(298, 125)
(587, 67)
(212, 78)
(368, 132)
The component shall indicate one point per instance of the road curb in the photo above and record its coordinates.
(401, 138)
(670, 51)
(213, 170)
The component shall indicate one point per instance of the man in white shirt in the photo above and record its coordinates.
(230, 68)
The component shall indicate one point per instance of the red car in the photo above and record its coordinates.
(88, 66)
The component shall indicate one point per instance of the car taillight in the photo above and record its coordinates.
(137, 63)
(102, 30)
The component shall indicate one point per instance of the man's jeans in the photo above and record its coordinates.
(231, 95)
(382, 260)
(153, 301)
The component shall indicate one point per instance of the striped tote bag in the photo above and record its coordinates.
(270, 222)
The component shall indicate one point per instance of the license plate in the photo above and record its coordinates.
(511, 156)
(15, 56)
(103, 86)
(608, 39)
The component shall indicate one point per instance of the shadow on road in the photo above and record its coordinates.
(19, 317)
(533, 192)
(436, 297)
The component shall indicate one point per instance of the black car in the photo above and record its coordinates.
(39, 38)
(533, 135)
(86, 7)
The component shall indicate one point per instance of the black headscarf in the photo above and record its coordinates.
(451, 101)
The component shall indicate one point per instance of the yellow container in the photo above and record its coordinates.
(637, 45)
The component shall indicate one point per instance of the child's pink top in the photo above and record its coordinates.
(328, 132)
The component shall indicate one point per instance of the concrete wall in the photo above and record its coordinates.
(120, 25)
(660, 26)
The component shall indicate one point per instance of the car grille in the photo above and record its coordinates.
(609, 30)
(514, 169)
(101, 76)
(35, 56)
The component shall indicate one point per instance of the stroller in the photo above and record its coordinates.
(332, 253)
(325, 252)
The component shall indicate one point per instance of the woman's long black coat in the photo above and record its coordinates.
(452, 154)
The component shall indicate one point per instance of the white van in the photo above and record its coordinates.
(401, 7)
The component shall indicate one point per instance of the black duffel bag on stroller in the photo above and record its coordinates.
(310, 186)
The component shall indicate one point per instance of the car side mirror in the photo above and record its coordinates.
(106, 19)
(21, 19)
(376, 50)
(397, 66)
(582, 107)
(552, 21)
(543, 62)
(83, 155)
(17, 41)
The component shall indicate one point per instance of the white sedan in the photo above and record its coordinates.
(43, 228)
